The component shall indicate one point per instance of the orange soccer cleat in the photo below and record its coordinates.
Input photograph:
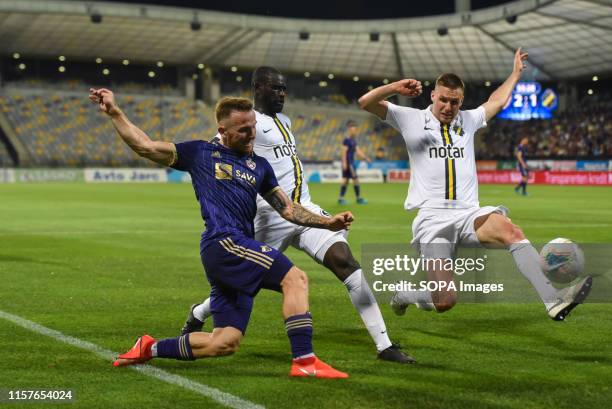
(139, 354)
(316, 368)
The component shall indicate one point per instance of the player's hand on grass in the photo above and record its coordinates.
(519, 61)
(341, 221)
(409, 87)
(105, 100)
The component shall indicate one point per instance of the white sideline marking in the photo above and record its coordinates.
(221, 397)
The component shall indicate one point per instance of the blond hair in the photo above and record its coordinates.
(227, 105)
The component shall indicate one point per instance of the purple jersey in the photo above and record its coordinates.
(351, 144)
(226, 185)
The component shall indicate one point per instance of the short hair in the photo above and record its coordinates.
(227, 105)
(350, 123)
(261, 75)
(450, 80)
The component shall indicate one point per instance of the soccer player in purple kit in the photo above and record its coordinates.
(226, 177)
(349, 151)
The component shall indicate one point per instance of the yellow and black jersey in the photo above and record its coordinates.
(442, 159)
(276, 143)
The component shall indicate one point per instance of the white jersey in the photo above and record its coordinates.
(275, 142)
(442, 158)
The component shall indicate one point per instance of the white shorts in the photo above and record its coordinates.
(437, 232)
(277, 232)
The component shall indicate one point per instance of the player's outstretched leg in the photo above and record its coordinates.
(339, 259)
(188, 347)
(298, 323)
(496, 230)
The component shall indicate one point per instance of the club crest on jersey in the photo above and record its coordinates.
(251, 163)
(216, 154)
(458, 127)
(266, 249)
(458, 130)
(223, 171)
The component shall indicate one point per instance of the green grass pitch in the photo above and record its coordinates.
(106, 263)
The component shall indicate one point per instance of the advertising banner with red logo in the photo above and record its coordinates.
(547, 177)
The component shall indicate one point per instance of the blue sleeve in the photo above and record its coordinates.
(187, 154)
(345, 142)
(269, 181)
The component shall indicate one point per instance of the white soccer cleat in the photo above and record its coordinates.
(398, 307)
(568, 298)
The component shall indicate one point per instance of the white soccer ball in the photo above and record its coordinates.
(561, 260)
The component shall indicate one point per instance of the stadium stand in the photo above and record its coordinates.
(63, 129)
(583, 131)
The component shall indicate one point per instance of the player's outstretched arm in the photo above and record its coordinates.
(160, 152)
(295, 213)
(498, 98)
(374, 101)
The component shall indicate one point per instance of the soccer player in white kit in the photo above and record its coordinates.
(444, 187)
(275, 142)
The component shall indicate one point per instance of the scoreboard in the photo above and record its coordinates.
(529, 101)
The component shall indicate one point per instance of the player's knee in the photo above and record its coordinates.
(340, 260)
(295, 280)
(513, 234)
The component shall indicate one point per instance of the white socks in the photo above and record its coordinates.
(527, 260)
(202, 311)
(367, 307)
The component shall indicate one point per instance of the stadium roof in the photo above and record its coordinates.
(565, 39)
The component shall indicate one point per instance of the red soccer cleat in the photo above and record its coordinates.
(139, 354)
(316, 368)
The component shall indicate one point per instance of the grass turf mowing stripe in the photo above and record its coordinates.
(223, 398)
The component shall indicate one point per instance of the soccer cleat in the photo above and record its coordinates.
(398, 307)
(361, 200)
(314, 367)
(395, 354)
(192, 324)
(139, 354)
(342, 201)
(569, 298)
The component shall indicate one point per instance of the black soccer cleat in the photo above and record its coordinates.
(395, 354)
(192, 324)
(569, 298)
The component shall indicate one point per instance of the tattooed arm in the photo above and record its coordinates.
(296, 213)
